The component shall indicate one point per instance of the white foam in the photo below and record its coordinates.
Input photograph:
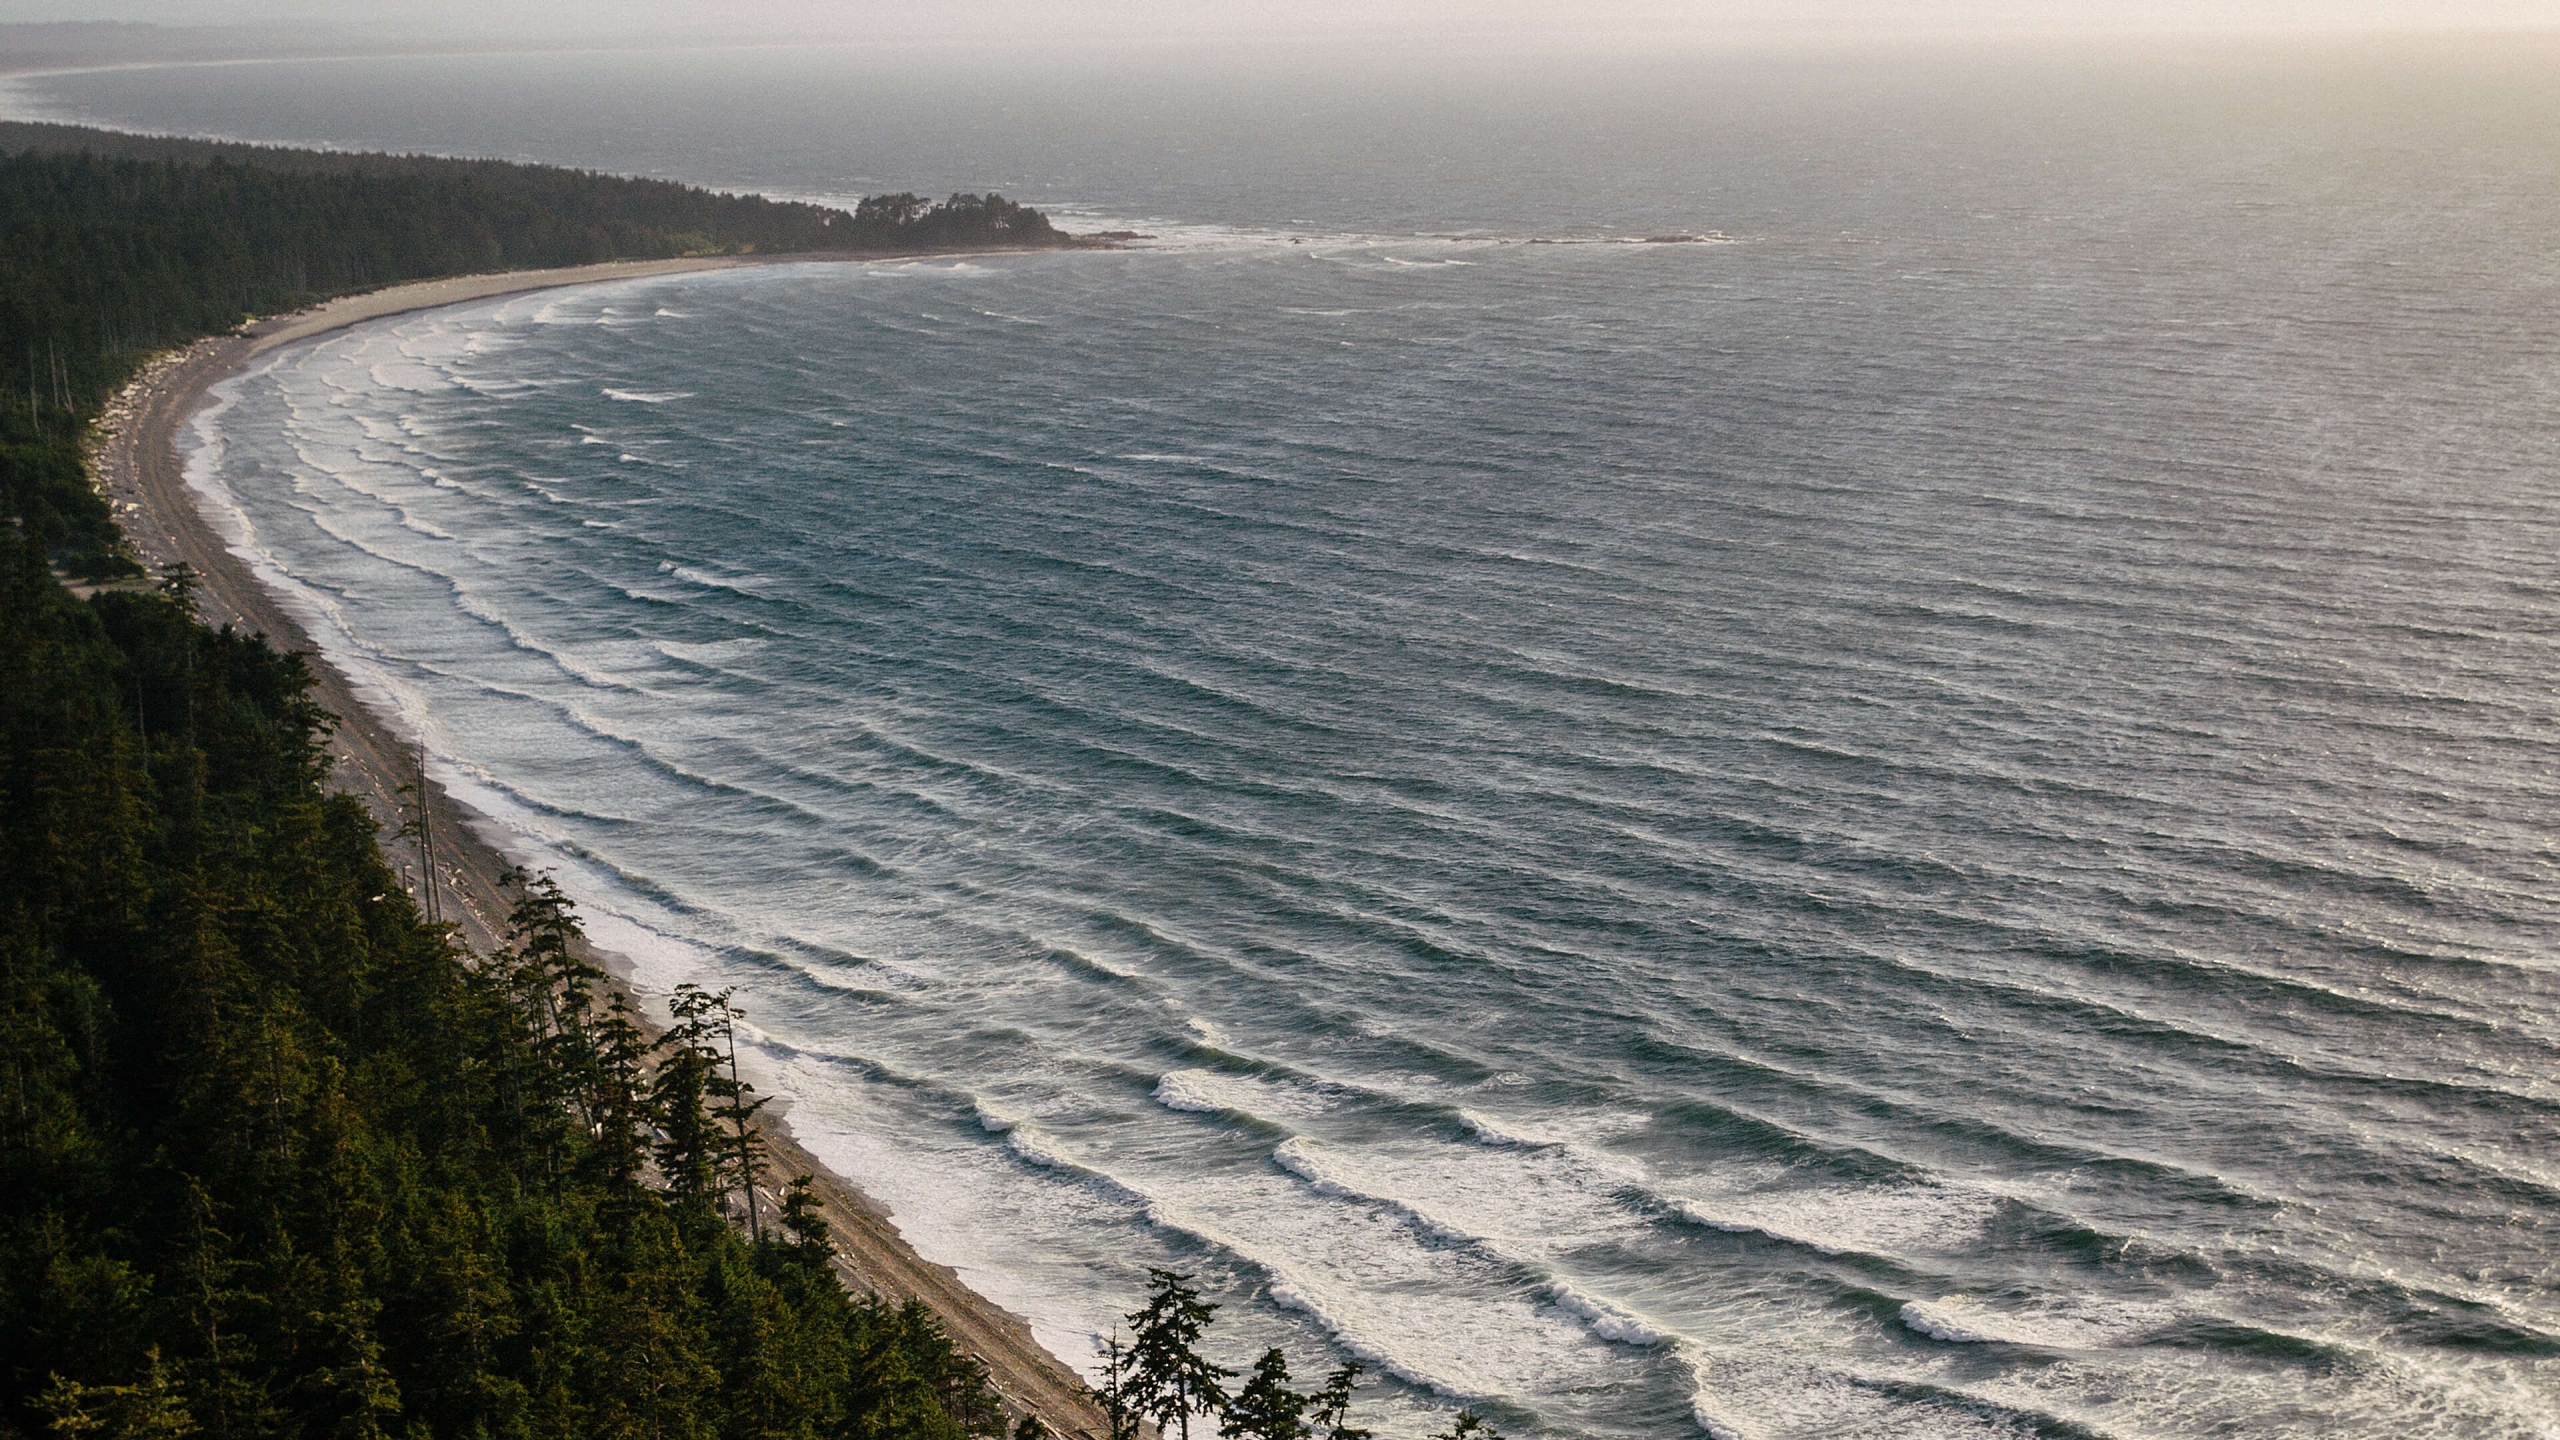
(1774, 1387)
(711, 653)
(751, 585)
(1263, 1099)
(647, 397)
(1029, 1142)
(2059, 1323)
(1298, 1156)
(1182, 1090)
(1302, 1157)
(1491, 1133)
(1606, 1320)
(1898, 1220)
(1939, 1321)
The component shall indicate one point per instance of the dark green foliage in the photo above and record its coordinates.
(277, 1160)
(47, 491)
(1266, 1408)
(909, 222)
(114, 246)
(709, 1151)
(150, 1408)
(1331, 1406)
(1160, 1375)
(1468, 1425)
(1169, 1379)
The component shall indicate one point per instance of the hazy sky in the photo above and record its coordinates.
(1315, 20)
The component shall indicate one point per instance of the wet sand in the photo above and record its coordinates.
(136, 462)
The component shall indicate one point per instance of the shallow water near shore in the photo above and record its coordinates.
(1928, 820)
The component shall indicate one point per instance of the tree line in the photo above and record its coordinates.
(114, 247)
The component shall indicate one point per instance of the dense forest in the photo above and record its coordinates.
(113, 247)
(278, 1157)
(280, 1160)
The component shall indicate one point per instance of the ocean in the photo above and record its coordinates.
(1926, 816)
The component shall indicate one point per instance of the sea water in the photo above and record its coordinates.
(1926, 817)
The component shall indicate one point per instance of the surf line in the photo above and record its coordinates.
(136, 464)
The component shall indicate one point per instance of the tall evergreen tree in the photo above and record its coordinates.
(811, 1242)
(1169, 1379)
(732, 1103)
(693, 1148)
(1332, 1404)
(1120, 1407)
(1266, 1408)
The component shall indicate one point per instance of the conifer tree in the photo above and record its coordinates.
(1332, 1406)
(1468, 1425)
(747, 1161)
(1119, 1402)
(811, 1240)
(1170, 1380)
(150, 1410)
(619, 1113)
(552, 988)
(1266, 1408)
(690, 1149)
(701, 1070)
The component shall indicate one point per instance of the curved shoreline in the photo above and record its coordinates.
(135, 462)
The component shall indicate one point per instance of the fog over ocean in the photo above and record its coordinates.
(1928, 817)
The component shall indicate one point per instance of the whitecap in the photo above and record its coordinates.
(1604, 1319)
(742, 584)
(1489, 1133)
(1880, 1220)
(1182, 1090)
(2059, 1323)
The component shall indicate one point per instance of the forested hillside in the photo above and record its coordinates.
(116, 246)
(277, 1158)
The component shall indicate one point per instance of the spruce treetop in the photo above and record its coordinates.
(1170, 1380)
(1266, 1408)
(1468, 1425)
(1331, 1406)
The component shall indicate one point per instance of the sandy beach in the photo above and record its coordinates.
(136, 463)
